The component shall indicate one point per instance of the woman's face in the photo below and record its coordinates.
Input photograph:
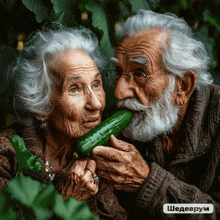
(78, 97)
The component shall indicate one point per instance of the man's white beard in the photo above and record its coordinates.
(150, 121)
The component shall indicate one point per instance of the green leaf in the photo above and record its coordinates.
(208, 17)
(71, 209)
(10, 214)
(40, 10)
(99, 21)
(27, 196)
(39, 200)
(208, 42)
(33, 194)
(64, 10)
(153, 4)
(26, 160)
(144, 4)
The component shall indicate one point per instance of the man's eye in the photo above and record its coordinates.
(73, 90)
(138, 74)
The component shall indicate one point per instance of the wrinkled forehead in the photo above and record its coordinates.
(73, 63)
(146, 43)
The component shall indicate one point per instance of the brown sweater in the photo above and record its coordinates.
(190, 175)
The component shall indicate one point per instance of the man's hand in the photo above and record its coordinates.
(121, 165)
(80, 183)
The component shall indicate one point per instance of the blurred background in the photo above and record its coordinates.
(20, 18)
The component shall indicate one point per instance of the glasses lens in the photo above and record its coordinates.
(137, 78)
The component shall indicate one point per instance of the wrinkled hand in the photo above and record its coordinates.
(121, 165)
(80, 184)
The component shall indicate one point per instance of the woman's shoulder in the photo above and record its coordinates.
(6, 133)
(10, 130)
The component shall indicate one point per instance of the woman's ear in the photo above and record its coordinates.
(40, 117)
(185, 87)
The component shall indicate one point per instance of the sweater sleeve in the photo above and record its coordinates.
(105, 204)
(8, 162)
(163, 187)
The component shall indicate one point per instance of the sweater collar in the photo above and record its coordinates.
(193, 140)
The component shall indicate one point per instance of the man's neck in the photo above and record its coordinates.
(169, 143)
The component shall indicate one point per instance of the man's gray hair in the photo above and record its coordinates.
(31, 74)
(183, 52)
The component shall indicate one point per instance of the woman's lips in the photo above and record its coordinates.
(92, 123)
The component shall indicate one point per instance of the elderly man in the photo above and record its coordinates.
(170, 151)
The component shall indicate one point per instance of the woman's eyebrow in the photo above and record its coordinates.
(73, 78)
(97, 75)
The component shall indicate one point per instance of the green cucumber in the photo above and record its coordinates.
(101, 133)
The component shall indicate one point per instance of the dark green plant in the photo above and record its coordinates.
(34, 198)
(104, 18)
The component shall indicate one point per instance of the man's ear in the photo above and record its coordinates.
(185, 87)
(40, 117)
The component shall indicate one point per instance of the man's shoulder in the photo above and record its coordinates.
(214, 89)
(214, 98)
(210, 96)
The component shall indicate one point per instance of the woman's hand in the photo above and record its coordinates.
(81, 184)
(121, 165)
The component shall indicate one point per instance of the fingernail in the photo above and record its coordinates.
(97, 149)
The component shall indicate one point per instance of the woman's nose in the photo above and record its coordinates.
(93, 102)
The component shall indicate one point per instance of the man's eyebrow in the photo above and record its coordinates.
(114, 60)
(140, 60)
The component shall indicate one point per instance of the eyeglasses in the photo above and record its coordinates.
(136, 77)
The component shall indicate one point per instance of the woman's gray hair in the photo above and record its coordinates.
(31, 74)
(183, 52)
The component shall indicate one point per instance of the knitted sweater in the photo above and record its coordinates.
(190, 175)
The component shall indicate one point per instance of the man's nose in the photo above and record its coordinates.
(124, 88)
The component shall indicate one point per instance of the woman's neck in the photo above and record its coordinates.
(57, 149)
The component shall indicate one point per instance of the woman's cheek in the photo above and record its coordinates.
(102, 98)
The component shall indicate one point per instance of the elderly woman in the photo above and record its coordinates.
(58, 98)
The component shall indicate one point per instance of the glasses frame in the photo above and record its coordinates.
(146, 77)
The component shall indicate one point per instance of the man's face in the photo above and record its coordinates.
(155, 114)
(148, 46)
(78, 97)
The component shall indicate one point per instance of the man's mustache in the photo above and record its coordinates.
(132, 104)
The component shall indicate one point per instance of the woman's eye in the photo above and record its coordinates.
(96, 85)
(73, 90)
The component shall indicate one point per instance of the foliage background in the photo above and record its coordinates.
(19, 18)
